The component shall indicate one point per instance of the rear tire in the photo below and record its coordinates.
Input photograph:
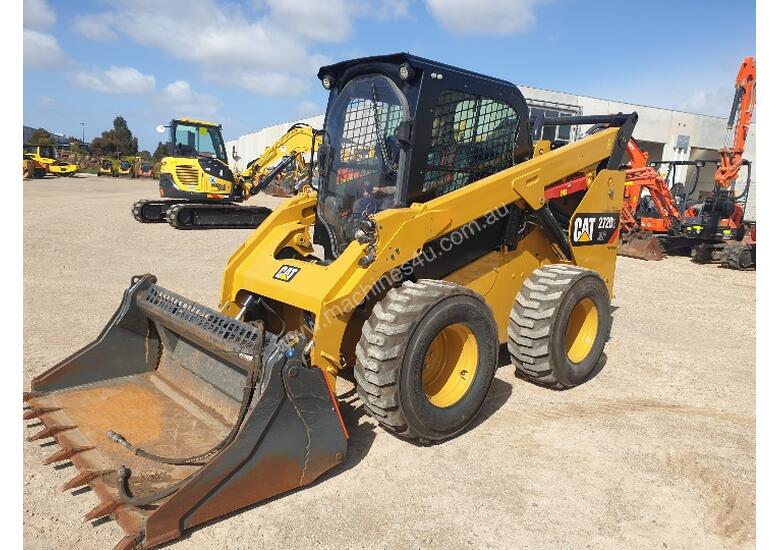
(426, 359)
(559, 325)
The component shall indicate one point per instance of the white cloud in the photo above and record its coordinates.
(485, 17)
(714, 101)
(38, 15)
(314, 19)
(308, 108)
(178, 99)
(41, 49)
(268, 49)
(95, 26)
(115, 80)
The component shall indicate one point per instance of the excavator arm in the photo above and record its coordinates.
(299, 140)
(739, 123)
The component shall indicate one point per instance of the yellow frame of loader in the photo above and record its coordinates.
(332, 292)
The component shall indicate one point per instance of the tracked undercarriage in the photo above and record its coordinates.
(183, 214)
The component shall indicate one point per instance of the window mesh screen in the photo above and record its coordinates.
(367, 125)
(472, 137)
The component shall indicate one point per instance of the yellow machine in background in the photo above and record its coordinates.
(63, 169)
(125, 168)
(437, 243)
(106, 168)
(199, 189)
(289, 157)
(42, 156)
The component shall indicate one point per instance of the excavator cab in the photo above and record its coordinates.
(197, 165)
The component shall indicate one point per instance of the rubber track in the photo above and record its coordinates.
(137, 210)
(531, 319)
(730, 257)
(172, 216)
(380, 351)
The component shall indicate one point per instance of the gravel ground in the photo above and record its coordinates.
(656, 452)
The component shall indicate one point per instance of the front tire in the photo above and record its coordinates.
(426, 359)
(559, 325)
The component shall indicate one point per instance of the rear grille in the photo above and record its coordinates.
(188, 175)
(208, 325)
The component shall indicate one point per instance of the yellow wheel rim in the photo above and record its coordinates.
(450, 365)
(581, 330)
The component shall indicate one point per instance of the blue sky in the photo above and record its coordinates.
(251, 64)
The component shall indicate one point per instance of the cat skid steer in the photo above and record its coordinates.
(441, 236)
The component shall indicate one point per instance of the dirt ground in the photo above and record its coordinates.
(657, 451)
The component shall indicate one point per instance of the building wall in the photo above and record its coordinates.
(657, 131)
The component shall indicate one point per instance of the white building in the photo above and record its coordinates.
(663, 133)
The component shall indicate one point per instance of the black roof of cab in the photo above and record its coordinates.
(346, 70)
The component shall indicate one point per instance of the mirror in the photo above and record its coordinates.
(161, 129)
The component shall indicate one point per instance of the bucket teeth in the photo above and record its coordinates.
(26, 396)
(84, 478)
(65, 454)
(29, 414)
(49, 432)
(102, 509)
(128, 542)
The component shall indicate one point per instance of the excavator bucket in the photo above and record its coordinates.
(642, 245)
(176, 415)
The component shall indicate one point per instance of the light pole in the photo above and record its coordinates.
(83, 125)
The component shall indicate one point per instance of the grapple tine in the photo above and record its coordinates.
(34, 412)
(84, 478)
(101, 510)
(128, 542)
(49, 432)
(65, 454)
(26, 396)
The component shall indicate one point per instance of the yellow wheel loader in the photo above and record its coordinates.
(200, 190)
(285, 164)
(438, 243)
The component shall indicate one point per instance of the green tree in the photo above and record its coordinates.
(41, 137)
(145, 155)
(118, 140)
(123, 137)
(160, 152)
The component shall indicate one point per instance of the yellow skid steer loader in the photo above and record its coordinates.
(437, 245)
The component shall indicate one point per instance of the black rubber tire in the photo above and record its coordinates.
(538, 322)
(391, 352)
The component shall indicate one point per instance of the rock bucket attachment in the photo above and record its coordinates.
(641, 245)
(173, 378)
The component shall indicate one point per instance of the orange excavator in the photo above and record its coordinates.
(637, 233)
(719, 219)
(705, 229)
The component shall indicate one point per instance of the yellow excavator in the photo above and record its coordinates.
(438, 242)
(289, 157)
(199, 189)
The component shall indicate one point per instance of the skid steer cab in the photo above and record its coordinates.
(442, 236)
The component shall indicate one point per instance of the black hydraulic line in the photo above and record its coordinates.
(554, 230)
(123, 475)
